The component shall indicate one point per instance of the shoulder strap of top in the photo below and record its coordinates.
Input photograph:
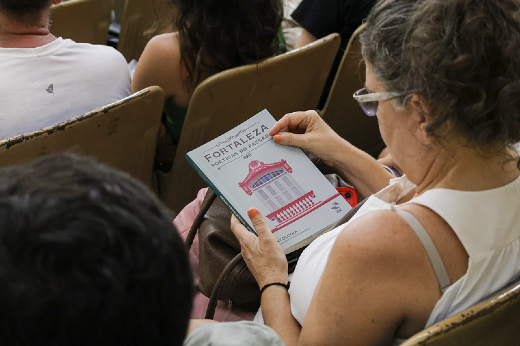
(431, 250)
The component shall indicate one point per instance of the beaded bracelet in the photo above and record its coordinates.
(275, 284)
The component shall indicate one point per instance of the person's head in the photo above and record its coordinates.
(457, 59)
(216, 35)
(88, 256)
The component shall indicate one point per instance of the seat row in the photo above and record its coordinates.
(124, 135)
(88, 21)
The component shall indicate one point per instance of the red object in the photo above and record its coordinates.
(349, 194)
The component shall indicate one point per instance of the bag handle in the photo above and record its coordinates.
(213, 299)
(208, 200)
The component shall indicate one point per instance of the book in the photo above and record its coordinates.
(246, 168)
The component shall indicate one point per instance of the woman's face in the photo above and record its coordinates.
(395, 124)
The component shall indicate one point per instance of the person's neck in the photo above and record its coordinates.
(460, 167)
(21, 34)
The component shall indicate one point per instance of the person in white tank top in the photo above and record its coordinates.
(444, 236)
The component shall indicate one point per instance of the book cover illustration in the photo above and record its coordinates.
(246, 168)
(273, 185)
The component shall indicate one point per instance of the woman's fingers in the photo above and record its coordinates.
(262, 254)
(292, 122)
(239, 230)
(258, 221)
(260, 225)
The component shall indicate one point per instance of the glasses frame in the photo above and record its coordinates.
(362, 96)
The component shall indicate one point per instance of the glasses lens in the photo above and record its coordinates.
(370, 108)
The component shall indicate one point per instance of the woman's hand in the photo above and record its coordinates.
(263, 255)
(308, 131)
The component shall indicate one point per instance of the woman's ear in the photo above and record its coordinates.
(56, 2)
(421, 117)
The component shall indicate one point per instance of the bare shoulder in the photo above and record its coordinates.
(163, 44)
(159, 64)
(377, 280)
(385, 224)
(380, 238)
(385, 239)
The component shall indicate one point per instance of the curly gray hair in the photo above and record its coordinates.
(460, 56)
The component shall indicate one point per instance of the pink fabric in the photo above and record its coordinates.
(183, 222)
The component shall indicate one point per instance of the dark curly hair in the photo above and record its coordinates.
(460, 56)
(216, 35)
(88, 256)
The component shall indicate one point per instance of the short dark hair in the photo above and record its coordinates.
(24, 7)
(88, 256)
(460, 56)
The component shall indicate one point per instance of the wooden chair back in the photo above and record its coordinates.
(122, 134)
(495, 321)
(138, 17)
(84, 21)
(289, 82)
(342, 112)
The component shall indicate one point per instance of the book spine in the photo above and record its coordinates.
(219, 194)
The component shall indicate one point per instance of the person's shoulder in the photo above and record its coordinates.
(164, 51)
(379, 237)
(95, 51)
(374, 272)
(160, 64)
(164, 45)
(89, 47)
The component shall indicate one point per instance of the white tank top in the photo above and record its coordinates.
(486, 222)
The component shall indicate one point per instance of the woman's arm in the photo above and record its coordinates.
(276, 311)
(267, 262)
(378, 283)
(160, 64)
(359, 298)
(308, 131)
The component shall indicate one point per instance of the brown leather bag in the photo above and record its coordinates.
(223, 272)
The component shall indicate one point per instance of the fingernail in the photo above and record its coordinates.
(277, 138)
(252, 213)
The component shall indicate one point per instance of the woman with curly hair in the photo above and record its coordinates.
(212, 36)
(443, 79)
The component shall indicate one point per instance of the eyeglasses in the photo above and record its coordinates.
(369, 101)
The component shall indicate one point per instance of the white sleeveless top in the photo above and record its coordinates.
(486, 222)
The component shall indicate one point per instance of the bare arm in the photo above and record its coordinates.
(267, 262)
(308, 131)
(276, 311)
(160, 64)
(378, 283)
(359, 299)
(305, 38)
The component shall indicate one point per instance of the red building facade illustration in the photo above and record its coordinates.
(274, 186)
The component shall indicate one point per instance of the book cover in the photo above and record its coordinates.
(246, 168)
